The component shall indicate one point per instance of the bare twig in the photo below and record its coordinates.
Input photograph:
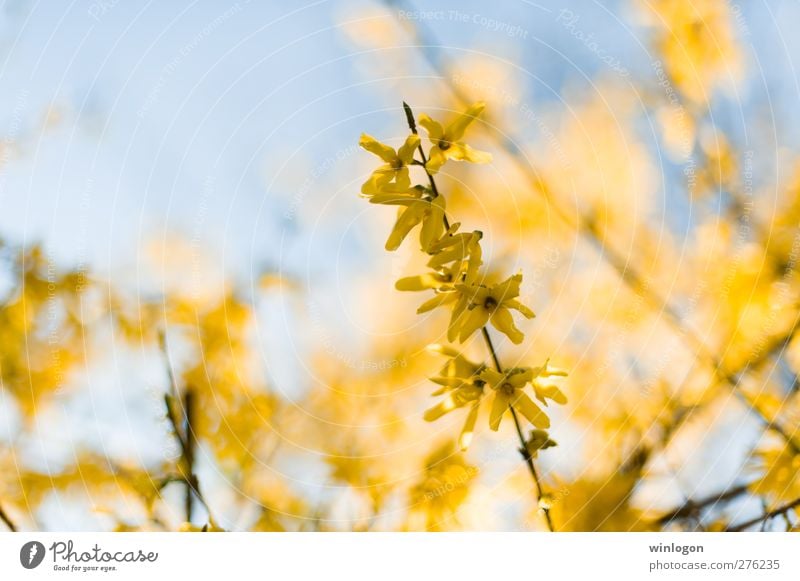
(7, 520)
(191, 444)
(771, 514)
(692, 507)
(184, 430)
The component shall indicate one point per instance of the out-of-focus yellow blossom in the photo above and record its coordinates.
(696, 41)
(447, 141)
(395, 169)
(443, 488)
(599, 505)
(779, 467)
(508, 391)
(480, 304)
(720, 169)
(677, 132)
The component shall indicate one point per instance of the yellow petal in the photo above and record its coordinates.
(531, 411)
(504, 322)
(372, 145)
(440, 409)
(410, 217)
(465, 439)
(434, 128)
(447, 381)
(475, 319)
(515, 304)
(492, 377)
(437, 301)
(551, 392)
(457, 319)
(436, 159)
(455, 130)
(433, 224)
(406, 151)
(417, 283)
(499, 407)
(463, 152)
(508, 289)
(377, 181)
(402, 181)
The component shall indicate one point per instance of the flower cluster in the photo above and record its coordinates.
(456, 280)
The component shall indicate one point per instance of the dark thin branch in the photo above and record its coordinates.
(191, 444)
(184, 429)
(523, 449)
(692, 507)
(764, 517)
(7, 520)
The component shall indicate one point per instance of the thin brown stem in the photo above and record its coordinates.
(191, 443)
(7, 520)
(523, 449)
(184, 429)
(782, 510)
(692, 507)
(412, 124)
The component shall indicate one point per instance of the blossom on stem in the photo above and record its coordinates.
(447, 141)
(481, 304)
(509, 392)
(462, 386)
(393, 175)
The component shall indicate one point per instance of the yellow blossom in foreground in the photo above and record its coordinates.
(395, 170)
(455, 258)
(508, 391)
(482, 304)
(447, 141)
(414, 210)
(462, 386)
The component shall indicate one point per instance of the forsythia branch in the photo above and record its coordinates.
(585, 226)
(461, 286)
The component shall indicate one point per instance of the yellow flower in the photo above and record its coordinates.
(455, 259)
(395, 170)
(462, 385)
(548, 391)
(447, 142)
(462, 250)
(508, 391)
(414, 209)
(481, 304)
(697, 41)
